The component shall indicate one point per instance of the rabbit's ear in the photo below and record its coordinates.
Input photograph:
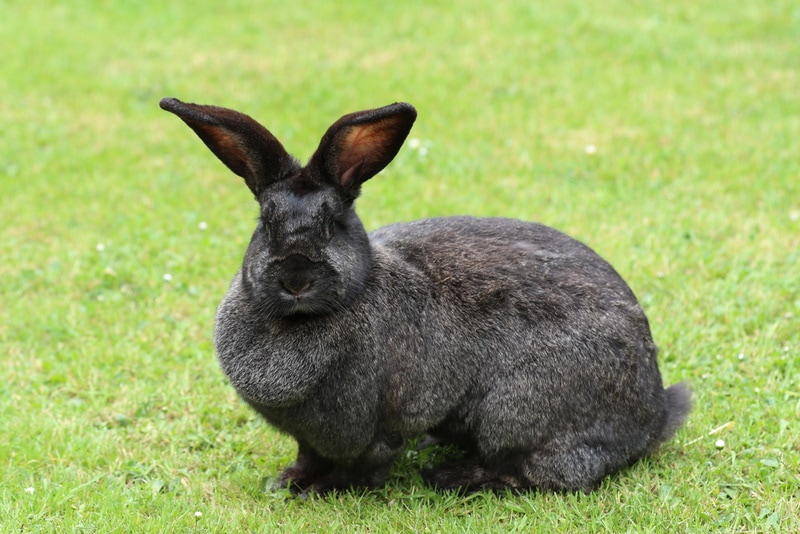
(359, 145)
(246, 147)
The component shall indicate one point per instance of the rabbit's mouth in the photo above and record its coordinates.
(318, 299)
(304, 307)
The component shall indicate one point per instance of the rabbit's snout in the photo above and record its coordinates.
(297, 274)
(296, 286)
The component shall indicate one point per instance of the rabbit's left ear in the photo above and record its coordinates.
(359, 145)
(241, 143)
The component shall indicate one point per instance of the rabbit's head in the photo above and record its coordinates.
(309, 254)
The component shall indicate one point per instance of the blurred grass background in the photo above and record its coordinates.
(664, 136)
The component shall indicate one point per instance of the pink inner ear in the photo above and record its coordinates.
(354, 149)
(227, 148)
(347, 176)
(365, 149)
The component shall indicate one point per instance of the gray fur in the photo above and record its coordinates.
(508, 338)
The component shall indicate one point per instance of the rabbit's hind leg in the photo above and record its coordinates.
(580, 468)
(470, 474)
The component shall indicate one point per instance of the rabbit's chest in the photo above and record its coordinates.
(338, 418)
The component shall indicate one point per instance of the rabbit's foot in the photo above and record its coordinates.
(298, 478)
(342, 479)
(470, 475)
(306, 471)
(576, 469)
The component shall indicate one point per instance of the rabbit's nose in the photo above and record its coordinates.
(296, 286)
(298, 274)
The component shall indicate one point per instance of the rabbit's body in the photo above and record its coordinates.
(509, 339)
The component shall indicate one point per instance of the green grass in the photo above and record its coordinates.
(113, 414)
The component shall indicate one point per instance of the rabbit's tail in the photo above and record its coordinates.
(679, 403)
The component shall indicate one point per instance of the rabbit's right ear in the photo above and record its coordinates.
(359, 145)
(246, 147)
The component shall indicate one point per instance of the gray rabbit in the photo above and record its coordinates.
(509, 339)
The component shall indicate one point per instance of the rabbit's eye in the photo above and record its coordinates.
(331, 229)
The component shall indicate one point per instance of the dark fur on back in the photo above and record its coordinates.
(507, 338)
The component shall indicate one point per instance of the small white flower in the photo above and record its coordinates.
(414, 143)
(167, 277)
(198, 514)
(100, 247)
(203, 225)
(590, 149)
(741, 356)
(720, 444)
(423, 151)
(794, 215)
(29, 490)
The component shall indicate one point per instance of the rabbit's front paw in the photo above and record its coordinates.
(304, 483)
(299, 479)
(306, 471)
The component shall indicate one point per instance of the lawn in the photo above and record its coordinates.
(664, 136)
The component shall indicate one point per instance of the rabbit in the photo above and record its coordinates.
(508, 339)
